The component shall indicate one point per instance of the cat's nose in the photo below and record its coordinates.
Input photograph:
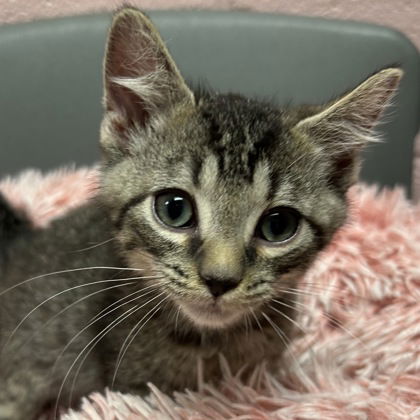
(221, 265)
(219, 286)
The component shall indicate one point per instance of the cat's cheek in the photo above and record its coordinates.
(142, 260)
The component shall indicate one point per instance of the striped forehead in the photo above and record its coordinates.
(209, 176)
(240, 133)
(213, 179)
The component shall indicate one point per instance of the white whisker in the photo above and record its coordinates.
(138, 327)
(303, 376)
(100, 316)
(321, 290)
(45, 325)
(64, 272)
(248, 326)
(256, 320)
(117, 321)
(53, 297)
(94, 246)
(302, 309)
(292, 321)
(151, 286)
(129, 334)
(99, 338)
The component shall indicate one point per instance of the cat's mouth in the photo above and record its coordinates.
(213, 314)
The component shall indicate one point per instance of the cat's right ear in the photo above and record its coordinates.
(141, 80)
(343, 127)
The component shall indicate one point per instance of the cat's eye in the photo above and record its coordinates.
(278, 225)
(175, 209)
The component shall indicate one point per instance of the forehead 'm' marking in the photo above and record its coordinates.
(261, 184)
(196, 166)
(209, 173)
(207, 187)
(241, 132)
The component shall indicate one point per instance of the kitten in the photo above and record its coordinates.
(211, 207)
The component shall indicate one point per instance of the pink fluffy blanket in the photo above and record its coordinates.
(358, 354)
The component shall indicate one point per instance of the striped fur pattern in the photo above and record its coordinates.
(236, 159)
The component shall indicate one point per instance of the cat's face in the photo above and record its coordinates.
(227, 198)
(226, 210)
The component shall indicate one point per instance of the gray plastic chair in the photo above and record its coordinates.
(50, 78)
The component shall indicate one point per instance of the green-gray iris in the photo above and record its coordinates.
(174, 209)
(279, 225)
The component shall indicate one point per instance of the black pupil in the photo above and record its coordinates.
(279, 223)
(175, 207)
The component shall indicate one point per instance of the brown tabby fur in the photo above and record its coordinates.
(237, 158)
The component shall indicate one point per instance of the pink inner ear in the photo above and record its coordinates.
(141, 78)
(131, 53)
(131, 57)
(348, 123)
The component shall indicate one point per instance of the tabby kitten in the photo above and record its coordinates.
(211, 207)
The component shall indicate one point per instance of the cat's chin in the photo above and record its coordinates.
(211, 315)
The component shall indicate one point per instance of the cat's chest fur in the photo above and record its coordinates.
(173, 354)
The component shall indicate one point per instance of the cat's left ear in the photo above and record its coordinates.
(342, 128)
(140, 77)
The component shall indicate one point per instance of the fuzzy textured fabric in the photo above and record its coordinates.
(358, 356)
